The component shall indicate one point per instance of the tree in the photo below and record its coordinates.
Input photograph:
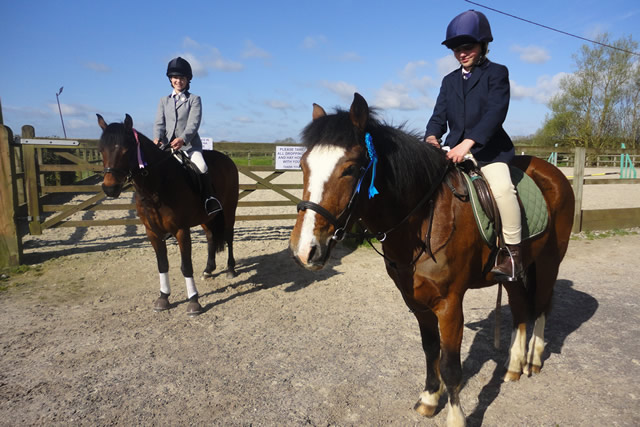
(597, 106)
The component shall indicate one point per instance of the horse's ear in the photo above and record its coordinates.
(359, 111)
(318, 111)
(101, 122)
(128, 122)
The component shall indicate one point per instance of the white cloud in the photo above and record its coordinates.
(447, 64)
(343, 89)
(396, 96)
(349, 57)
(96, 66)
(243, 119)
(278, 105)
(311, 42)
(411, 68)
(207, 58)
(532, 54)
(77, 110)
(253, 51)
(189, 43)
(546, 86)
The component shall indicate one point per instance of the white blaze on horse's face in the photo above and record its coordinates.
(321, 162)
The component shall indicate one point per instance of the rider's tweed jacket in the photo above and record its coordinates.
(179, 116)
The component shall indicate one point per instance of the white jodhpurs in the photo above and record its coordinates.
(198, 160)
(499, 179)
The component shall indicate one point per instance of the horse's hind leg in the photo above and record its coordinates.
(545, 274)
(231, 261)
(428, 401)
(211, 254)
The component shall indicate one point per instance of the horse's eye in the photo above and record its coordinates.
(350, 171)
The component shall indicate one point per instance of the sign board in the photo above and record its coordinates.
(207, 143)
(288, 157)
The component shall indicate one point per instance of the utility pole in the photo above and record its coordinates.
(60, 110)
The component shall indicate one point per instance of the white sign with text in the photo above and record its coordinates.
(207, 143)
(288, 157)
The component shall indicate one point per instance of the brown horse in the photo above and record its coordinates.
(168, 204)
(431, 245)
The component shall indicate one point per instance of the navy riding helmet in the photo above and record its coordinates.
(179, 67)
(468, 27)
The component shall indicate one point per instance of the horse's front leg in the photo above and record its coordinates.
(160, 248)
(184, 242)
(429, 398)
(451, 320)
(519, 312)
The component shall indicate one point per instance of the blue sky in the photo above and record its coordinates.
(260, 65)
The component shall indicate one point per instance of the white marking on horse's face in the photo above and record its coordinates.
(321, 162)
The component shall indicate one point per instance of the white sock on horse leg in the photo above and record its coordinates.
(165, 287)
(191, 287)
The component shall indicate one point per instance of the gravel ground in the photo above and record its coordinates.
(278, 345)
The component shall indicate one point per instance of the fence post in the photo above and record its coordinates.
(578, 181)
(31, 181)
(10, 243)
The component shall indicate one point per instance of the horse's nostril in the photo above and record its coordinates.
(312, 252)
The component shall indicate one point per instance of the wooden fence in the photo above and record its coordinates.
(40, 177)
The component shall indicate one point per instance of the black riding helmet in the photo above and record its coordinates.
(179, 67)
(468, 27)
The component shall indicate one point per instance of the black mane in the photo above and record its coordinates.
(408, 166)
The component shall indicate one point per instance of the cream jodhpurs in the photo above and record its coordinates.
(499, 179)
(198, 160)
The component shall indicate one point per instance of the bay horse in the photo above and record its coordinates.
(431, 245)
(168, 204)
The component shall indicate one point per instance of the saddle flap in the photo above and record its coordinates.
(533, 207)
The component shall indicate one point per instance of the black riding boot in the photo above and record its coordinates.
(510, 268)
(211, 204)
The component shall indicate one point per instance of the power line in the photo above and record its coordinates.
(554, 29)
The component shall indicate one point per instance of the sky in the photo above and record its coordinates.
(260, 65)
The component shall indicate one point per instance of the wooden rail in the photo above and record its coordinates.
(32, 177)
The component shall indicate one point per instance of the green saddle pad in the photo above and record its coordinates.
(534, 207)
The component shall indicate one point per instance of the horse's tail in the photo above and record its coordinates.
(219, 237)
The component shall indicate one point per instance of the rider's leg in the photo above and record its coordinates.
(211, 204)
(504, 192)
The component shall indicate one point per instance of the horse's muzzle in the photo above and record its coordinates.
(112, 190)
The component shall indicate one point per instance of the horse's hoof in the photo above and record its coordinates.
(531, 370)
(207, 274)
(512, 376)
(194, 308)
(424, 409)
(231, 274)
(162, 303)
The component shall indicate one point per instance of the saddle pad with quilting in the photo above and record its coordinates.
(534, 207)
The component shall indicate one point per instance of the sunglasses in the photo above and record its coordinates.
(464, 48)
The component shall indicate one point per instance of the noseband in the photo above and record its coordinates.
(337, 223)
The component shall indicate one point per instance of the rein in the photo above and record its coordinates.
(142, 164)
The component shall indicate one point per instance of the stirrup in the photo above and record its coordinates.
(217, 205)
(499, 275)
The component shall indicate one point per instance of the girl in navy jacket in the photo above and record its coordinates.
(472, 105)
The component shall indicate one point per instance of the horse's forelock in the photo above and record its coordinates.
(114, 134)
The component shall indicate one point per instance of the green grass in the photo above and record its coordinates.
(593, 235)
(255, 161)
